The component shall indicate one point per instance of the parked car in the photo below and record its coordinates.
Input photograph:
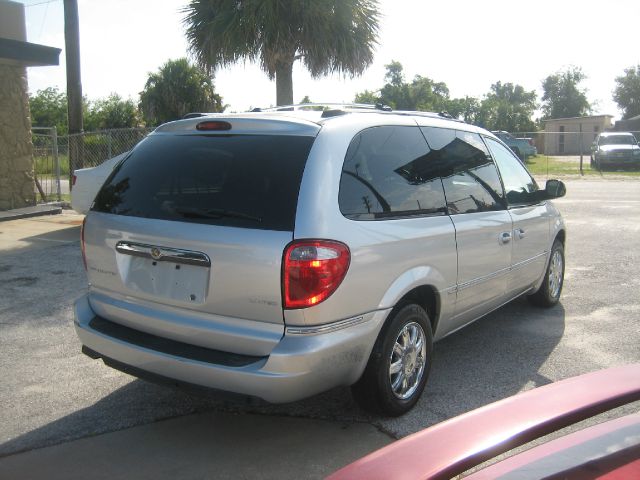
(615, 150)
(609, 450)
(522, 147)
(86, 182)
(283, 253)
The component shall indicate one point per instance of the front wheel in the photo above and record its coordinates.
(398, 367)
(549, 292)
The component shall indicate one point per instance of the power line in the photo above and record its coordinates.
(40, 3)
(44, 19)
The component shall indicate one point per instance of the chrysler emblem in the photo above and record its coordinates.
(156, 253)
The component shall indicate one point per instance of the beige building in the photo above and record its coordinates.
(572, 136)
(17, 187)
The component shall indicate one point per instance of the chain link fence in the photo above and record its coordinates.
(57, 157)
(95, 147)
(48, 168)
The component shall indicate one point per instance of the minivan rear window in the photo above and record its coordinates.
(249, 181)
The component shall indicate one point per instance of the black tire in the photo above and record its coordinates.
(375, 391)
(549, 292)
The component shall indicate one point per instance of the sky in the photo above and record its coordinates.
(467, 44)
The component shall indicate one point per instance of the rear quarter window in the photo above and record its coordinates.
(249, 181)
(387, 173)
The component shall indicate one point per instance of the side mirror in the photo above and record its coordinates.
(555, 189)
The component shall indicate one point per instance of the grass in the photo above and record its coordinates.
(562, 166)
(46, 166)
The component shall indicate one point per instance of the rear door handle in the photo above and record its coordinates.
(505, 237)
(519, 233)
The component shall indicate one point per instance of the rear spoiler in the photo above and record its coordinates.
(456, 445)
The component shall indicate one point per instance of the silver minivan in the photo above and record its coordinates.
(279, 254)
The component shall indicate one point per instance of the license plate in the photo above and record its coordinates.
(166, 279)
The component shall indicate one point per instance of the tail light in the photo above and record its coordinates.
(531, 142)
(73, 180)
(84, 254)
(312, 271)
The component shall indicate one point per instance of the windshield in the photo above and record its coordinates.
(249, 181)
(617, 140)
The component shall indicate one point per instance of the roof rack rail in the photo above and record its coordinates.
(323, 107)
(337, 109)
(194, 115)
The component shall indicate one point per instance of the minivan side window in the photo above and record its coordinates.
(388, 173)
(470, 179)
(518, 184)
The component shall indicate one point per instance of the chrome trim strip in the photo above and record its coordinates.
(528, 261)
(164, 254)
(330, 327)
(478, 280)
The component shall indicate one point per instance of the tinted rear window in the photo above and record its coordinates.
(249, 181)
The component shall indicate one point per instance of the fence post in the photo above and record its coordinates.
(580, 140)
(109, 145)
(56, 160)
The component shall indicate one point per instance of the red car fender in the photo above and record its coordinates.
(452, 447)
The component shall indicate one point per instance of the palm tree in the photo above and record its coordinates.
(177, 88)
(326, 35)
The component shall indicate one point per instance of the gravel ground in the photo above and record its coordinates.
(52, 393)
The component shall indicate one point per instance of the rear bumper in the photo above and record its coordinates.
(301, 364)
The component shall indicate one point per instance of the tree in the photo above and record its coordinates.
(507, 107)
(327, 36)
(421, 94)
(176, 89)
(49, 109)
(467, 109)
(562, 97)
(627, 92)
(110, 112)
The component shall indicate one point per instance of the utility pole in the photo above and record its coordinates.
(74, 84)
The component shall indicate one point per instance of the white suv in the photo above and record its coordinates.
(279, 254)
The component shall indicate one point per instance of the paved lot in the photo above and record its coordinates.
(52, 394)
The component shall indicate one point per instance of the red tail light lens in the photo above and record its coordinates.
(312, 271)
(84, 255)
(73, 180)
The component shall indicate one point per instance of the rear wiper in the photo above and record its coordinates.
(215, 213)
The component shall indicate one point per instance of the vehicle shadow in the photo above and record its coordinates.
(494, 358)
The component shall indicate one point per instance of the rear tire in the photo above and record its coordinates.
(399, 365)
(549, 292)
